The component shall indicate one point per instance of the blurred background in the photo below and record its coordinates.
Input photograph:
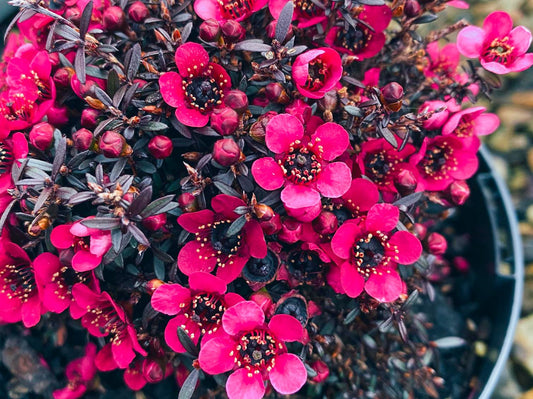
(512, 149)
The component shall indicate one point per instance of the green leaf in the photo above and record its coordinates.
(236, 226)
(102, 223)
(189, 386)
(153, 126)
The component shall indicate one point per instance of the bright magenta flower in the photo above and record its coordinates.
(80, 373)
(471, 123)
(500, 48)
(104, 317)
(19, 290)
(256, 352)
(212, 247)
(317, 71)
(371, 251)
(198, 88)
(443, 160)
(442, 61)
(88, 245)
(223, 10)
(367, 39)
(303, 162)
(198, 309)
(307, 13)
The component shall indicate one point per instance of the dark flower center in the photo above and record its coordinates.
(261, 270)
(435, 161)
(6, 157)
(369, 252)
(17, 281)
(304, 265)
(377, 165)
(221, 241)
(257, 349)
(302, 164)
(354, 39)
(206, 311)
(17, 108)
(203, 93)
(295, 307)
(307, 7)
(317, 74)
(234, 9)
(499, 51)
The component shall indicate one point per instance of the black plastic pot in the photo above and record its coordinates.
(496, 255)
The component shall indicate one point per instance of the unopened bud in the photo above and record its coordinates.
(63, 76)
(210, 30)
(321, 369)
(114, 18)
(187, 202)
(155, 222)
(276, 93)
(271, 226)
(264, 300)
(326, 223)
(226, 152)
(82, 139)
(152, 371)
(412, 8)
(459, 192)
(291, 230)
(437, 244)
(138, 11)
(236, 100)
(42, 135)
(263, 212)
(57, 115)
(152, 285)
(160, 147)
(111, 144)
(420, 231)
(300, 109)
(258, 129)
(392, 95)
(89, 118)
(405, 182)
(232, 31)
(225, 121)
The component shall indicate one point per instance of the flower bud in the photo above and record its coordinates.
(326, 223)
(392, 94)
(160, 147)
(437, 244)
(232, 31)
(226, 152)
(152, 285)
(82, 139)
(258, 129)
(210, 30)
(187, 202)
(321, 369)
(62, 76)
(459, 192)
(89, 118)
(42, 135)
(263, 212)
(57, 115)
(225, 121)
(152, 371)
(420, 231)
(111, 144)
(412, 8)
(461, 264)
(236, 100)
(291, 230)
(155, 222)
(405, 182)
(276, 93)
(264, 300)
(329, 101)
(138, 11)
(113, 19)
(271, 226)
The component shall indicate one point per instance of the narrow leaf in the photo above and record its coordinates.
(102, 223)
(189, 386)
(86, 19)
(187, 343)
(79, 64)
(236, 226)
(284, 21)
(138, 235)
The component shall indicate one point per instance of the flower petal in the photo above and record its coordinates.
(100, 243)
(382, 217)
(295, 196)
(333, 138)
(194, 257)
(31, 311)
(195, 222)
(498, 24)
(191, 116)
(206, 282)
(61, 236)
(267, 173)
(255, 239)
(215, 356)
(470, 41)
(286, 327)
(344, 239)
(170, 299)
(409, 247)
(384, 286)
(224, 205)
(171, 88)
(83, 261)
(243, 316)
(334, 180)
(123, 352)
(191, 59)
(230, 270)
(171, 332)
(352, 281)
(520, 39)
(362, 195)
(242, 384)
(288, 374)
(281, 131)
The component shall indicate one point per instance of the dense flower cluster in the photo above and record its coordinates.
(208, 189)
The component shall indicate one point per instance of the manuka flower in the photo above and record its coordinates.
(255, 352)
(442, 61)
(307, 12)
(86, 246)
(317, 71)
(222, 10)
(303, 163)
(198, 88)
(366, 39)
(198, 309)
(371, 251)
(19, 291)
(104, 317)
(471, 123)
(80, 373)
(443, 160)
(212, 247)
(11, 148)
(500, 48)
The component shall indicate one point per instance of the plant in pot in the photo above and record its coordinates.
(249, 199)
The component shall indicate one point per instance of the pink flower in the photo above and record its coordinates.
(366, 40)
(80, 373)
(500, 48)
(317, 71)
(212, 247)
(19, 290)
(303, 163)
(222, 10)
(443, 160)
(371, 251)
(11, 148)
(87, 246)
(198, 88)
(471, 123)
(442, 61)
(103, 317)
(355, 202)
(255, 352)
(198, 309)
(307, 13)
